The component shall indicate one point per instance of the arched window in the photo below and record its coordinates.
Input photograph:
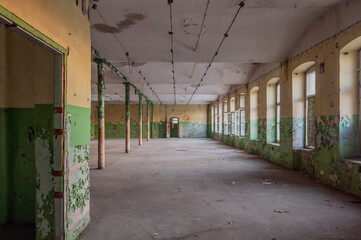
(231, 116)
(212, 118)
(304, 99)
(273, 110)
(225, 117)
(242, 115)
(219, 118)
(350, 65)
(254, 113)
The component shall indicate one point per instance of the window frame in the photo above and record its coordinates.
(242, 109)
(278, 113)
(237, 122)
(307, 97)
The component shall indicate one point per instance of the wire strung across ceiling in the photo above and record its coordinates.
(172, 46)
(130, 61)
(111, 99)
(241, 5)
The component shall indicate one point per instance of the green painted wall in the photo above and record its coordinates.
(77, 185)
(17, 179)
(44, 154)
(323, 162)
(117, 130)
(349, 137)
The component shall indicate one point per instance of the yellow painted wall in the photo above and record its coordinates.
(185, 113)
(26, 72)
(63, 22)
(116, 113)
(327, 52)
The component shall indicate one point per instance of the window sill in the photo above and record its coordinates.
(274, 144)
(353, 161)
(304, 150)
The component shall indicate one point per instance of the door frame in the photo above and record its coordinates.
(19, 26)
(171, 125)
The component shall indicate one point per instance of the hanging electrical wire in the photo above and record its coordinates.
(131, 62)
(172, 47)
(241, 5)
(111, 99)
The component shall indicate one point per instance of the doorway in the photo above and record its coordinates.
(32, 110)
(174, 127)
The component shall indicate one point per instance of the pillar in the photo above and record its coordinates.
(152, 122)
(127, 117)
(148, 125)
(101, 132)
(140, 119)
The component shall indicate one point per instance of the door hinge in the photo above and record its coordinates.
(58, 132)
(58, 195)
(58, 173)
(58, 110)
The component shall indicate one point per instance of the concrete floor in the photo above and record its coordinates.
(202, 189)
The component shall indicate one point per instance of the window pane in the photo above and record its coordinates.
(225, 106)
(236, 130)
(311, 83)
(233, 104)
(278, 132)
(242, 101)
(278, 113)
(243, 130)
(278, 93)
(311, 122)
(243, 117)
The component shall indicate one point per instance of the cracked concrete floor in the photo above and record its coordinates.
(202, 189)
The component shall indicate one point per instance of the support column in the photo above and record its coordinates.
(152, 122)
(127, 117)
(101, 132)
(148, 125)
(140, 119)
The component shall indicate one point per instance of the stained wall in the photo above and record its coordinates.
(66, 24)
(192, 120)
(337, 129)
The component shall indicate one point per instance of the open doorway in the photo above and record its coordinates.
(174, 127)
(31, 132)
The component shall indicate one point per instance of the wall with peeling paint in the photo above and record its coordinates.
(27, 96)
(192, 120)
(337, 113)
(67, 25)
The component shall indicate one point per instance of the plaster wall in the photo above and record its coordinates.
(192, 118)
(66, 24)
(334, 141)
(26, 74)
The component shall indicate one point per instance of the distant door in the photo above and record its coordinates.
(174, 127)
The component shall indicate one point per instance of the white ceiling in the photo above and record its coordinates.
(265, 31)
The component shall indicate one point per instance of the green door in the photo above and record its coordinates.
(174, 127)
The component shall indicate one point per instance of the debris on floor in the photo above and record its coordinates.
(281, 211)
(266, 183)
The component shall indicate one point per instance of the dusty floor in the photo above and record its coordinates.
(202, 189)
